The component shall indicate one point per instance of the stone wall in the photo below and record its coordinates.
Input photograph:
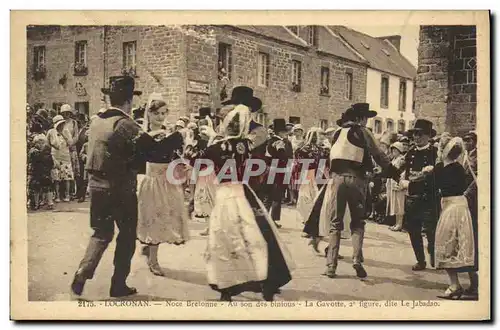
(160, 62)
(446, 80)
(60, 58)
(169, 57)
(463, 81)
(278, 98)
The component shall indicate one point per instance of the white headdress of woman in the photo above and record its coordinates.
(243, 115)
(313, 132)
(152, 97)
(453, 150)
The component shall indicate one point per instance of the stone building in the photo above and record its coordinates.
(390, 77)
(305, 74)
(446, 85)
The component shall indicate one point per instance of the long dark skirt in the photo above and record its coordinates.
(311, 227)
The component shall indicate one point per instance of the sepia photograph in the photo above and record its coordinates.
(300, 169)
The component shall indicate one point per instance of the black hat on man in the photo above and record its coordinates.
(244, 95)
(424, 126)
(470, 136)
(341, 120)
(359, 110)
(279, 125)
(124, 85)
(203, 112)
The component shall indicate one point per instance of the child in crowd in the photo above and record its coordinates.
(40, 164)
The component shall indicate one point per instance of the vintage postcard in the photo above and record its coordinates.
(250, 165)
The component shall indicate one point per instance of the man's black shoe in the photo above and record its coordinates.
(360, 271)
(121, 291)
(77, 284)
(419, 266)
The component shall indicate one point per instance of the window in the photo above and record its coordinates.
(348, 86)
(412, 124)
(402, 95)
(39, 68)
(323, 124)
(377, 126)
(296, 75)
(294, 120)
(82, 107)
(39, 56)
(384, 92)
(81, 57)
(312, 37)
(325, 81)
(390, 126)
(294, 29)
(261, 118)
(401, 126)
(263, 67)
(224, 61)
(129, 57)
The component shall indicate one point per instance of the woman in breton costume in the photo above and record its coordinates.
(244, 251)
(205, 184)
(308, 188)
(454, 245)
(395, 193)
(162, 217)
(297, 141)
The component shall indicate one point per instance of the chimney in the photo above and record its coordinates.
(395, 40)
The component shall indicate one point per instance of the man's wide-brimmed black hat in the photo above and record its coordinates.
(279, 125)
(341, 120)
(359, 110)
(470, 136)
(203, 112)
(244, 95)
(424, 126)
(121, 85)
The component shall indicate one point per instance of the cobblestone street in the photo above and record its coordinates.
(57, 240)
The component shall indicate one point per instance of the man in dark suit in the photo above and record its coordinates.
(421, 204)
(470, 161)
(112, 167)
(279, 152)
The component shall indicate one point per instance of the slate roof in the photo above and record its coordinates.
(375, 51)
(331, 44)
(345, 43)
(274, 31)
